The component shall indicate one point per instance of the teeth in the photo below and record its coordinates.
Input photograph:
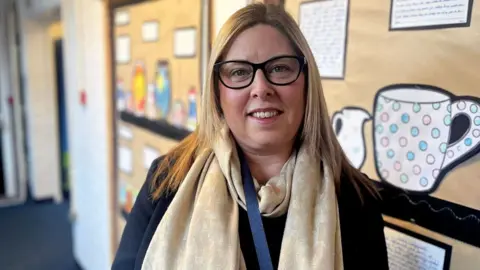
(264, 114)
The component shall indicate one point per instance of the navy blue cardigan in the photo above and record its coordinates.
(363, 240)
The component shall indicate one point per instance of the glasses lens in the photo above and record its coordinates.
(282, 70)
(236, 74)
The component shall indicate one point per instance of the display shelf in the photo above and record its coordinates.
(160, 127)
(444, 217)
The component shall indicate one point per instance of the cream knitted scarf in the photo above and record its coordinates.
(200, 228)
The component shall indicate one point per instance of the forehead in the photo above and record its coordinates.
(259, 43)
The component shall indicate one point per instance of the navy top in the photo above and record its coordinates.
(363, 240)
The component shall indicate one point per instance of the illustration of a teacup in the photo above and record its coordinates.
(412, 133)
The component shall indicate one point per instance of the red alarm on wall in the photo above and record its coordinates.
(83, 97)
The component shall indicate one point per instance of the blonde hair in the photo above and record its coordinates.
(317, 131)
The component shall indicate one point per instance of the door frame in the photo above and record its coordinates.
(13, 145)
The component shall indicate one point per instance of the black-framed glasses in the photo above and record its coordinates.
(280, 70)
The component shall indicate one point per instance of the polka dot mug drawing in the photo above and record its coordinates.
(412, 131)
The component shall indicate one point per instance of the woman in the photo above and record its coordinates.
(256, 185)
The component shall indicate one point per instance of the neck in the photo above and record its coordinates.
(265, 165)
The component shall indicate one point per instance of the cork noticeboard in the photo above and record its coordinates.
(157, 56)
(157, 71)
(406, 107)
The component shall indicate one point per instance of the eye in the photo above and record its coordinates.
(239, 73)
(280, 68)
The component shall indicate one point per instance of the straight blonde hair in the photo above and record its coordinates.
(317, 132)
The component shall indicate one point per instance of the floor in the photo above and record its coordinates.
(36, 236)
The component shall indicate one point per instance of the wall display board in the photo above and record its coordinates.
(156, 49)
(406, 109)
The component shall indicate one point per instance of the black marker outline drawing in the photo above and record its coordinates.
(337, 129)
(443, 170)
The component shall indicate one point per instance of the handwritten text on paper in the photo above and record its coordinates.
(324, 24)
(408, 253)
(418, 13)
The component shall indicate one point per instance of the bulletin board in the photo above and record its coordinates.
(156, 65)
(401, 82)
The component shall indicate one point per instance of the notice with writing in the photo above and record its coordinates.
(324, 25)
(409, 253)
(429, 13)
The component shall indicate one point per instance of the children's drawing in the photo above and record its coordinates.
(150, 107)
(122, 192)
(128, 205)
(121, 96)
(139, 87)
(421, 132)
(178, 115)
(192, 109)
(348, 124)
(163, 91)
(130, 197)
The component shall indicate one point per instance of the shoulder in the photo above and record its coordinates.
(147, 186)
(141, 223)
(358, 195)
(362, 225)
(153, 178)
(358, 203)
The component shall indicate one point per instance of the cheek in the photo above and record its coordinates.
(232, 103)
(294, 98)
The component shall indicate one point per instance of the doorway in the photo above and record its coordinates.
(62, 118)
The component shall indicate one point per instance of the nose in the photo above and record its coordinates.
(261, 87)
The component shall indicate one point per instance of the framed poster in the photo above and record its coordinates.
(185, 42)
(409, 250)
(418, 14)
(325, 26)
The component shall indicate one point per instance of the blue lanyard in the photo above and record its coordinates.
(254, 217)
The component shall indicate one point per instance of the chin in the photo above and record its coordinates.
(268, 141)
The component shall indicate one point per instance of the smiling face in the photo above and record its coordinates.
(262, 116)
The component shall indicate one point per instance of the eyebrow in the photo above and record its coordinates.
(245, 60)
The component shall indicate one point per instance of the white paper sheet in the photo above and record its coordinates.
(324, 24)
(122, 192)
(125, 159)
(418, 13)
(149, 155)
(408, 253)
(185, 42)
(122, 48)
(125, 132)
(122, 17)
(150, 31)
